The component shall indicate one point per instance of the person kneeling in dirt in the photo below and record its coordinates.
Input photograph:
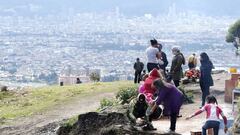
(172, 99)
(138, 108)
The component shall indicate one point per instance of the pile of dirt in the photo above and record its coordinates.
(113, 121)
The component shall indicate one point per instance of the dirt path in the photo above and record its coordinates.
(28, 125)
(185, 126)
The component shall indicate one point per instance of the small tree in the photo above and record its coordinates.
(233, 35)
(95, 77)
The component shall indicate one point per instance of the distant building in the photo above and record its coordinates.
(83, 74)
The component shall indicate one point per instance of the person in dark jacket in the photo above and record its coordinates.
(176, 67)
(137, 113)
(163, 58)
(205, 76)
(138, 66)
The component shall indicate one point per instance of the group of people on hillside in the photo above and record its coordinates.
(159, 94)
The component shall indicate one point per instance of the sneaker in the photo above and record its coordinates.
(148, 127)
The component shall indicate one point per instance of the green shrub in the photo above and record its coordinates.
(126, 94)
(104, 103)
(188, 95)
(70, 121)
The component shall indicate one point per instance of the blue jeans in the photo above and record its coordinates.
(211, 124)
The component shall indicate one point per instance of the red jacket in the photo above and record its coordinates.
(154, 74)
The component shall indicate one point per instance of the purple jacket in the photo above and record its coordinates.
(172, 99)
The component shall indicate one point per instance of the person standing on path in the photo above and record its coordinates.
(153, 55)
(206, 80)
(171, 98)
(164, 62)
(138, 67)
(176, 67)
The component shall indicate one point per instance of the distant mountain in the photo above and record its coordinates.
(128, 7)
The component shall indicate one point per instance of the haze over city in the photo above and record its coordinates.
(47, 39)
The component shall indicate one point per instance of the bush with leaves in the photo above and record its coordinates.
(125, 95)
(188, 95)
(105, 103)
(95, 77)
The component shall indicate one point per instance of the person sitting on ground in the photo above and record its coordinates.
(213, 111)
(78, 81)
(172, 99)
(138, 108)
(192, 61)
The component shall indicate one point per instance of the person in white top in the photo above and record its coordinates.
(153, 55)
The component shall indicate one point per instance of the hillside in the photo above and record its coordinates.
(45, 108)
(41, 106)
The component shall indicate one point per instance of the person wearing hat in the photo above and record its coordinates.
(176, 67)
(153, 55)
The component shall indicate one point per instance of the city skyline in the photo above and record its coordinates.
(38, 49)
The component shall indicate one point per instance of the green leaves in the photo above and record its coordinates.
(126, 94)
(233, 31)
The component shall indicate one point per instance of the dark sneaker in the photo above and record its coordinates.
(148, 127)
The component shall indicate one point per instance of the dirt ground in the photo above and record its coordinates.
(185, 126)
(27, 125)
(78, 106)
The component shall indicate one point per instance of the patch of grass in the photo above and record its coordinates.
(39, 99)
(71, 121)
(5, 95)
(187, 94)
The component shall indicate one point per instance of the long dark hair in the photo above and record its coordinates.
(205, 60)
(159, 84)
(211, 99)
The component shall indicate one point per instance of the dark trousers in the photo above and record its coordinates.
(210, 124)
(176, 82)
(205, 93)
(156, 114)
(137, 76)
(173, 120)
(191, 65)
(151, 66)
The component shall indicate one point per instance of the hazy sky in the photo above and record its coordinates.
(128, 7)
